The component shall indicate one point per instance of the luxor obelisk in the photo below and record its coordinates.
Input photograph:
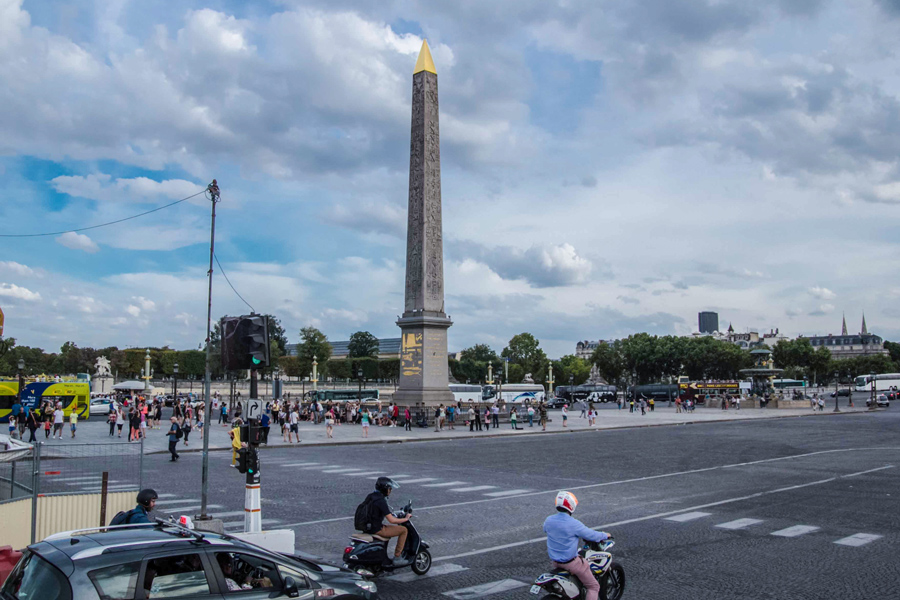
(423, 350)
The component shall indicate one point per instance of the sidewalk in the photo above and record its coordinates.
(96, 429)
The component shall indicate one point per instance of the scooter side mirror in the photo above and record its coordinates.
(290, 587)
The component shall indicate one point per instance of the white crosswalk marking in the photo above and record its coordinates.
(306, 464)
(189, 508)
(485, 589)
(506, 493)
(442, 569)
(795, 531)
(739, 524)
(83, 478)
(166, 495)
(238, 525)
(688, 516)
(343, 470)
(319, 468)
(230, 513)
(858, 539)
(405, 481)
(392, 476)
(166, 502)
(92, 482)
(476, 488)
(447, 484)
(364, 473)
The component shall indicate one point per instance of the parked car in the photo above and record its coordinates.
(100, 406)
(880, 400)
(556, 402)
(844, 392)
(136, 562)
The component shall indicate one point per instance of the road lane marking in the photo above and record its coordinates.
(165, 495)
(739, 524)
(447, 484)
(683, 518)
(306, 464)
(795, 531)
(190, 508)
(230, 513)
(667, 513)
(364, 473)
(477, 488)
(237, 525)
(318, 467)
(858, 539)
(184, 501)
(344, 470)
(485, 589)
(392, 476)
(506, 493)
(405, 481)
(444, 569)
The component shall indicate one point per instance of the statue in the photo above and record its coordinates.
(528, 378)
(102, 367)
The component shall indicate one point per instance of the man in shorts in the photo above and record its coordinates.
(295, 424)
(58, 419)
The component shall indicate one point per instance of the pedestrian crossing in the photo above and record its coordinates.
(794, 531)
(455, 486)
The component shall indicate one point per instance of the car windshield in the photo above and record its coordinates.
(36, 579)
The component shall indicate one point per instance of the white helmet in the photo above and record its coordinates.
(566, 501)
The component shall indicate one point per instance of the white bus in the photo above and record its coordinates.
(883, 382)
(466, 392)
(516, 393)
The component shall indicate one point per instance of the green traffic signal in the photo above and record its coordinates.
(256, 361)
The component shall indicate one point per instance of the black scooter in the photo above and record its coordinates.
(367, 554)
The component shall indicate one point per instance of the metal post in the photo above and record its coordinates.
(35, 488)
(141, 467)
(104, 488)
(12, 480)
(836, 409)
(204, 490)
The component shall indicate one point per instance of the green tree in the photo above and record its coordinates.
(478, 353)
(819, 362)
(363, 345)
(610, 362)
(524, 349)
(313, 343)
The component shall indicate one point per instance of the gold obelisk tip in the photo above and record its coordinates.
(424, 63)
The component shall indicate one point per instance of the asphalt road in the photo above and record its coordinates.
(664, 492)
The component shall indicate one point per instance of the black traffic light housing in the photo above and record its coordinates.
(245, 342)
(243, 460)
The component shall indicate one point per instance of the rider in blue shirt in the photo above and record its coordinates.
(563, 534)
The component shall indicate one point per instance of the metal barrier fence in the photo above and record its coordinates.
(66, 486)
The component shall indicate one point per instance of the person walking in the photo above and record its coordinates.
(186, 426)
(565, 415)
(407, 418)
(174, 430)
(477, 418)
(542, 412)
(120, 420)
(111, 419)
(583, 409)
(451, 416)
(364, 419)
(530, 416)
(329, 423)
(295, 424)
(495, 416)
(643, 406)
(73, 421)
(31, 421)
(470, 417)
(487, 418)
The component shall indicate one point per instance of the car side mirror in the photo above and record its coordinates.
(290, 587)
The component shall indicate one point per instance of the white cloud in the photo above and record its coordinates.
(78, 241)
(9, 266)
(11, 290)
(102, 187)
(133, 310)
(822, 293)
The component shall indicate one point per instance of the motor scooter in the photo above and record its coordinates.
(368, 555)
(559, 584)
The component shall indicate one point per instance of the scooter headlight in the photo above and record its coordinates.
(369, 586)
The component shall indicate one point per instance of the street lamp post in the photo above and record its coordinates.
(315, 374)
(836, 378)
(872, 392)
(21, 365)
(359, 375)
(175, 382)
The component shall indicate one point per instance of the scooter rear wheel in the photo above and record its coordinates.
(422, 562)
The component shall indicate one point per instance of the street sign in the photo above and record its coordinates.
(254, 408)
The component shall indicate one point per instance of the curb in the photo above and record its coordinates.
(493, 435)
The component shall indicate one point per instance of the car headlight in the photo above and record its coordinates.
(369, 586)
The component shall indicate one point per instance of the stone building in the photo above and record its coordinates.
(848, 345)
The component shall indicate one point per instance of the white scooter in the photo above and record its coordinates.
(559, 583)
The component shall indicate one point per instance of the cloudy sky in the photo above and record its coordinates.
(608, 167)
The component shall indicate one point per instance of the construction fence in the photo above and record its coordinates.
(50, 488)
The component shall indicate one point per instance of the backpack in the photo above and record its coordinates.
(363, 518)
(123, 517)
(179, 433)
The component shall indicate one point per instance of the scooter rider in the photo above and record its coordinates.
(379, 510)
(563, 532)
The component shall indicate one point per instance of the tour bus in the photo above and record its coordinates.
(587, 392)
(466, 392)
(782, 384)
(883, 382)
(348, 395)
(515, 393)
(698, 390)
(72, 395)
(657, 391)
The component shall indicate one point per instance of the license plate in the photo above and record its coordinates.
(535, 589)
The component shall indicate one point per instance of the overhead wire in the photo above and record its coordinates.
(231, 286)
(158, 208)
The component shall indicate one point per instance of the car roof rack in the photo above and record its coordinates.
(157, 524)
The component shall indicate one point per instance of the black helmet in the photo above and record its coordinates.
(145, 496)
(385, 485)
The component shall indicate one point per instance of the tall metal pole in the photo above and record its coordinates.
(213, 189)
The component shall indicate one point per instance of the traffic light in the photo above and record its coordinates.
(243, 460)
(252, 461)
(245, 342)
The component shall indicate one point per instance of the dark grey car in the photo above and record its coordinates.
(139, 562)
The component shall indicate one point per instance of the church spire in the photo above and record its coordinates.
(844, 326)
(865, 330)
